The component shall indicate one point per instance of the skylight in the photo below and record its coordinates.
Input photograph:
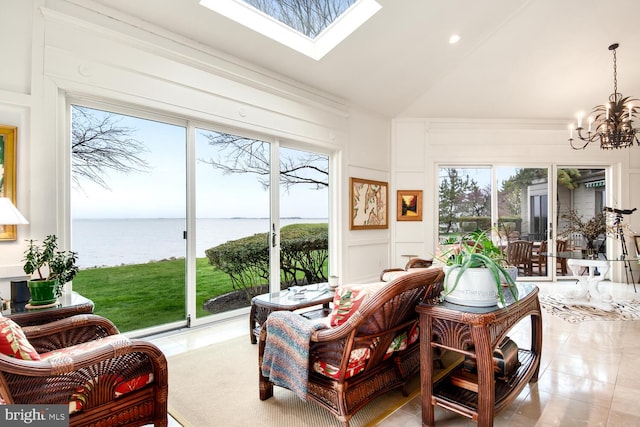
(321, 36)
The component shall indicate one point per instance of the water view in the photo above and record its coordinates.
(111, 242)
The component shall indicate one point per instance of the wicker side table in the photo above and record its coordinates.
(475, 332)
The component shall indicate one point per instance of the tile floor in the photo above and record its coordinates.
(589, 374)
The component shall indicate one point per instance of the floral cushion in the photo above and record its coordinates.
(81, 348)
(122, 386)
(358, 357)
(357, 363)
(14, 343)
(79, 398)
(403, 340)
(348, 298)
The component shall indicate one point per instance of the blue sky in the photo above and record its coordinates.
(161, 192)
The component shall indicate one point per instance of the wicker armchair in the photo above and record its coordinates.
(389, 274)
(377, 322)
(89, 376)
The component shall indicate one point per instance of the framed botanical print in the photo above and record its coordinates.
(8, 151)
(369, 204)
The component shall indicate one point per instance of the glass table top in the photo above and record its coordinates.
(580, 255)
(298, 295)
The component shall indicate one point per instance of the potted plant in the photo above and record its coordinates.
(476, 271)
(590, 230)
(54, 268)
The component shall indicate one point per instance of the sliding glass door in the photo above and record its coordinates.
(232, 220)
(464, 201)
(166, 235)
(518, 203)
(508, 203)
(128, 215)
(261, 219)
(581, 199)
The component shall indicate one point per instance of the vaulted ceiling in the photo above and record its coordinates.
(531, 59)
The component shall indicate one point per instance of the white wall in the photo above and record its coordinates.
(62, 49)
(419, 146)
(366, 251)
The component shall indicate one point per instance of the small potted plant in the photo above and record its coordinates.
(590, 229)
(476, 271)
(54, 267)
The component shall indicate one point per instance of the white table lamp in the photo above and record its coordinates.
(9, 215)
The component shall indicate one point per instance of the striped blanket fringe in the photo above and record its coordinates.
(286, 354)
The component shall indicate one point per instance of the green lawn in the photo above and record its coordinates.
(143, 295)
(139, 296)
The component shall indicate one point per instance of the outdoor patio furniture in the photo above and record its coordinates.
(519, 254)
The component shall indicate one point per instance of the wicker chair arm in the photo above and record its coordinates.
(338, 332)
(418, 263)
(54, 381)
(389, 270)
(69, 331)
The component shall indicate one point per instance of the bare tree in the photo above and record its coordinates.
(244, 155)
(309, 17)
(99, 145)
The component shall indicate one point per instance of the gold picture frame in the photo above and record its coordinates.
(409, 205)
(8, 159)
(369, 204)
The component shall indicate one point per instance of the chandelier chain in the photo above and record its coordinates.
(615, 74)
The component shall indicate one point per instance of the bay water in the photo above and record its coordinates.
(120, 241)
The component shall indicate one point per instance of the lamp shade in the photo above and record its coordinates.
(9, 215)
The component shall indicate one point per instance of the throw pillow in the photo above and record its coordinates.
(14, 343)
(348, 298)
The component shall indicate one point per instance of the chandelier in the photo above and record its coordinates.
(611, 123)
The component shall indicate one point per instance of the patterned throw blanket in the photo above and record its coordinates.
(286, 354)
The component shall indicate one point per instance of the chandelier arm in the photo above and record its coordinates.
(580, 148)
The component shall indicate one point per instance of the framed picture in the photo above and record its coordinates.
(636, 239)
(8, 174)
(409, 205)
(369, 204)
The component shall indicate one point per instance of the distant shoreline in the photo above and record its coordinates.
(111, 242)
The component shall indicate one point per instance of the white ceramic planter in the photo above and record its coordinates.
(476, 288)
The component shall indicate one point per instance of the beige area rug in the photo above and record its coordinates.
(576, 311)
(218, 386)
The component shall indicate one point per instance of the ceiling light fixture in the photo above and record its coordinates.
(612, 122)
(454, 39)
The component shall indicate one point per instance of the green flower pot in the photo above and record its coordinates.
(43, 291)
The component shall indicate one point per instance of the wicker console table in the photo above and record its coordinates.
(476, 331)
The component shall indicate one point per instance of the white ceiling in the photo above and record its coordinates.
(540, 59)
